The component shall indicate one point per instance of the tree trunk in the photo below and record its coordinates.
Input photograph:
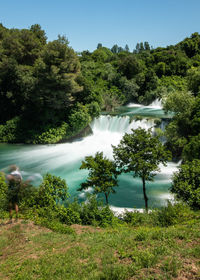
(145, 195)
(106, 195)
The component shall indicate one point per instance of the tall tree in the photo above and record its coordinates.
(137, 48)
(141, 47)
(102, 174)
(56, 72)
(99, 46)
(130, 66)
(39, 33)
(177, 132)
(146, 46)
(141, 153)
(115, 49)
(126, 48)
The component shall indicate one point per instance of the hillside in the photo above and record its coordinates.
(28, 251)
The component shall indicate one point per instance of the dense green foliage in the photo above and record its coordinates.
(3, 193)
(49, 93)
(48, 205)
(102, 174)
(186, 183)
(141, 153)
(38, 88)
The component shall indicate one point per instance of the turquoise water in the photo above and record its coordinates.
(65, 159)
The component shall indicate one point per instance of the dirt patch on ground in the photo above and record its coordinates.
(79, 229)
(25, 226)
(17, 236)
(189, 272)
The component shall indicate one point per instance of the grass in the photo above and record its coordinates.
(29, 251)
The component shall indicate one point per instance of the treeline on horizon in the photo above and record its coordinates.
(50, 93)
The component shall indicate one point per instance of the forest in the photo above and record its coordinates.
(49, 92)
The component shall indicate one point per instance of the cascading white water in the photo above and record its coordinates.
(156, 104)
(107, 131)
(119, 124)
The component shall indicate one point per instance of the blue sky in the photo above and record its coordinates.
(89, 22)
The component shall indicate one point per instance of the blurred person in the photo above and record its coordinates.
(14, 179)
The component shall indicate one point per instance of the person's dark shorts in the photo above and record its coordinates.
(13, 192)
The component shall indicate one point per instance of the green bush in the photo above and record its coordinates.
(69, 215)
(79, 118)
(51, 135)
(27, 196)
(94, 213)
(93, 109)
(3, 193)
(10, 131)
(186, 183)
(52, 191)
(172, 214)
(136, 218)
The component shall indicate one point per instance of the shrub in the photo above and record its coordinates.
(172, 214)
(52, 191)
(186, 183)
(79, 119)
(27, 196)
(10, 131)
(69, 215)
(51, 135)
(93, 213)
(3, 192)
(136, 218)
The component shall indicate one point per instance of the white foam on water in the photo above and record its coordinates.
(120, 211)
(156, 104)
(134, 105)
(107, 131)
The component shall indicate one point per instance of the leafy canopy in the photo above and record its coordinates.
(102, 174)
(186, 183)
(140, 152)
(52, 191)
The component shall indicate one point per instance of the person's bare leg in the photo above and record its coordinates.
(10, 212)
(16, 210)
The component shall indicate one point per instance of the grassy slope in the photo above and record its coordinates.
(30, 252)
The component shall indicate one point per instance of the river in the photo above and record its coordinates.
(65, 159)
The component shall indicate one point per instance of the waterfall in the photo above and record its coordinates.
(106, 130)
(156, 104)
(65, 158)
(119, 124)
